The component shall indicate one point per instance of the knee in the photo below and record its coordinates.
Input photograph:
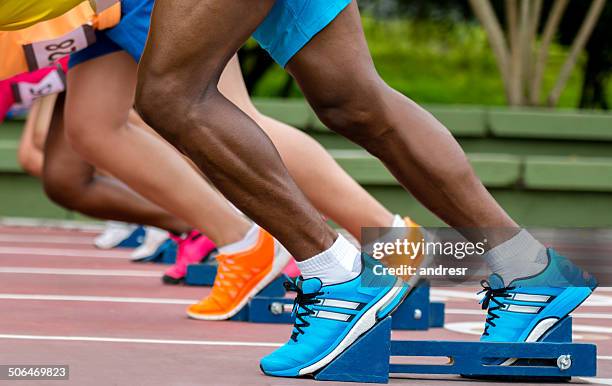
(83, 134)
(61, 188)
(361, 115)
(30, 161)
(166, 104)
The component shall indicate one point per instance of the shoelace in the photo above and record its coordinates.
(491, 295)
(302, 302)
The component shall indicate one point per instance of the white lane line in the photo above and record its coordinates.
(138, 340)
(109, 299)
(475, 328)
(79, 272)
(597, 381)
(40, 224)
(477, 311)
(50, 252)
(34, 239)
(442, 295)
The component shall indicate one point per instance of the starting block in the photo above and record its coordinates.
(417, 312)
(370, 358)
(258, 310)
(202, 274)
(134, 239)
(165, 254)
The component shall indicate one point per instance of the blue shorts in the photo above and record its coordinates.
(292, 23)
(285, 31)
(129, 35)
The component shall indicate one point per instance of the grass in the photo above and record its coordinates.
(438, 64)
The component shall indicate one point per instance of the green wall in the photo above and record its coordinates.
(546, 168)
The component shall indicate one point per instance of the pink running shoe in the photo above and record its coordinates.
(192, 249)
(292, 269)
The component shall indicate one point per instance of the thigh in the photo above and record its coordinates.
(335, 65)
(100, 94)
(190, 41)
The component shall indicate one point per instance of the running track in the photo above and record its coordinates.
(113, 322)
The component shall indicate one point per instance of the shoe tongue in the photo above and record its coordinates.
(310, 286)
(496, 282)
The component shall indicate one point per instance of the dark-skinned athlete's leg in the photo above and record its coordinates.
(73, 183)
(338, 77)
(178, 96)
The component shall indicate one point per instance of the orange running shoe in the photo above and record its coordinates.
(240, 277)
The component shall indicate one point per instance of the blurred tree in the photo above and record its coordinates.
(598, 67)
(520, 62)
(521, 53)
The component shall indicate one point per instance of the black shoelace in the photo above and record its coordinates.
(301, 308)
(491, 295)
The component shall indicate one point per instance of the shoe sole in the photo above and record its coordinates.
(169, 280)
(280, 262)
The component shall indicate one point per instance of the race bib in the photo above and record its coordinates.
(44, 53)
(24, 93)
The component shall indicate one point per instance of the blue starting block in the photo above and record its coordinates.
(134, 239)
(370, 358)
(202, 274)
(258, 309)
(417, 312)
(164, 254)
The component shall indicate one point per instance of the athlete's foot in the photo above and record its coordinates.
(154, 238)
(526, 309)
(114, 233)
(191, 249)
(328, 319)
(240, 277)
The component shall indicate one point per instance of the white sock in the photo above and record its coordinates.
(340, 263)
(247, 242)
(521, 256)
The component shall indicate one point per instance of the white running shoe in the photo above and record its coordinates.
(154, 238)
(114, 234)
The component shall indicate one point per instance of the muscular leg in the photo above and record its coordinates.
(338, 77)
(73, 184)
(100, 94)
(331, 190)
(179, 98)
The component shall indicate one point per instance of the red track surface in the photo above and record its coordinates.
(114, 323)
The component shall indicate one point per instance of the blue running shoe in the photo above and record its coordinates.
(328, 319)
(527, 308)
